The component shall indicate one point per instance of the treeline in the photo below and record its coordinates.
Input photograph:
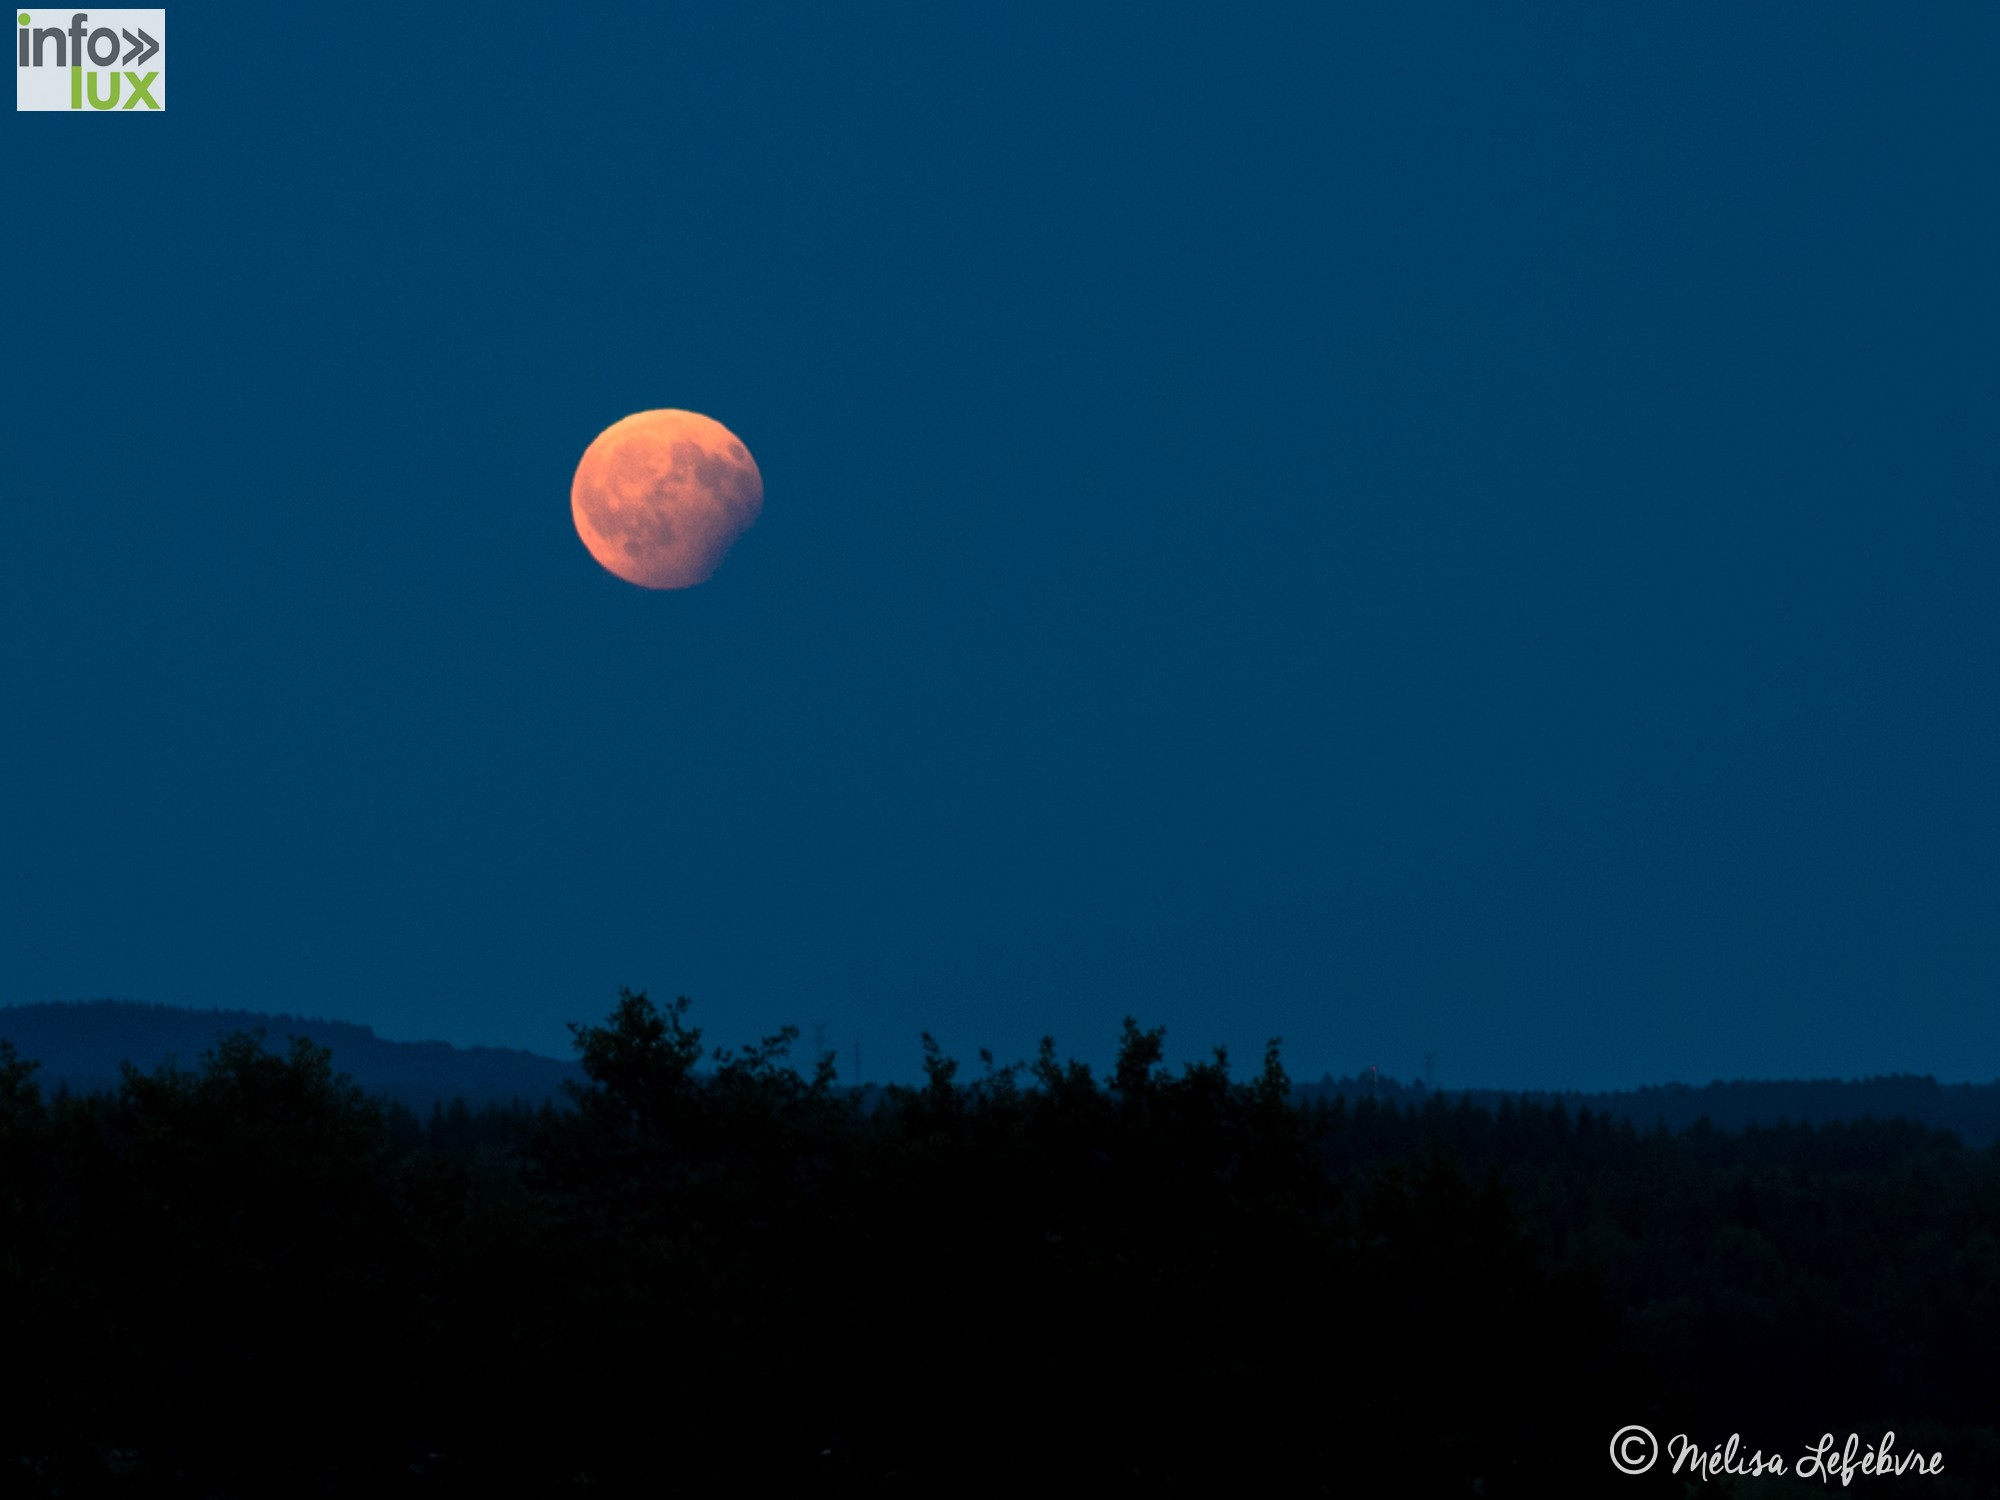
(83, 1045)
(1971, 1111)
(715, 1274)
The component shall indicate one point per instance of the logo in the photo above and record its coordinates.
(1633, 1449)
(109, 60)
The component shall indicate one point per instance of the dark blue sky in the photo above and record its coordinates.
(1397, 527)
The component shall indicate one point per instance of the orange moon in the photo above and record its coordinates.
(659, 497)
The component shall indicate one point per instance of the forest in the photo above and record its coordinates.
(715, 1271)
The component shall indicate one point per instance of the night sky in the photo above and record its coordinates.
(1406, 527)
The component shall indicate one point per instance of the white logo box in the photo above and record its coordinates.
(90, 61)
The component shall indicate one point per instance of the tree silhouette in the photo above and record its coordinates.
(713, 1274)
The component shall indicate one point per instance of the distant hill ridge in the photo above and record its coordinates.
(1971, 1111)
(82, 1044)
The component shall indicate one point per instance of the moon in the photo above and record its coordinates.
(659, 497)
